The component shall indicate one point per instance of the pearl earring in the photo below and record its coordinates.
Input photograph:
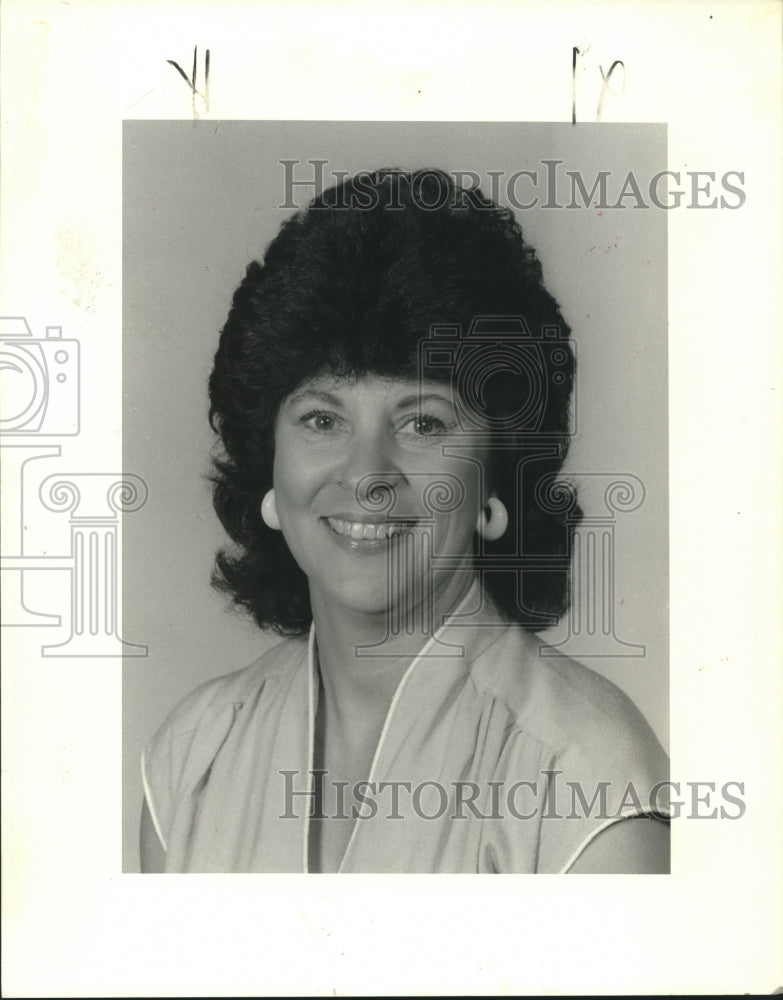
(269, 511)
(493, 525)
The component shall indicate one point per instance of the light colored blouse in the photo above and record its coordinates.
(492, 759)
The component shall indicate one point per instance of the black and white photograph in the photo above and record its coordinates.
(424, 456)
(389, 420)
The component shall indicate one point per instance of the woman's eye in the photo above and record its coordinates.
(425, 425)
(319, 420)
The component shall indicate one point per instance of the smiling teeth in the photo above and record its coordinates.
(359, 530)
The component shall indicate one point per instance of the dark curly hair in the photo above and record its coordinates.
(353, 285)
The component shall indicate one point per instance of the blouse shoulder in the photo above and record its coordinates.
(195, 729)
(557, 700)
(602, 760)
(234, 687)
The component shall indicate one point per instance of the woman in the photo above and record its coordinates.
(392, 395)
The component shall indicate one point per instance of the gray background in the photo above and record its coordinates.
(200, 201)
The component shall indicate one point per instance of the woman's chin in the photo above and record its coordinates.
(373, 598)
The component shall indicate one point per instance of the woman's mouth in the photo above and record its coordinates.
(370, 531)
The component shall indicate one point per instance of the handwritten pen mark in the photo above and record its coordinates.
(605, 78)
(191, 81)
(574, 56)
(576, 52)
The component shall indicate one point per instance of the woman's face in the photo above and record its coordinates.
(376, 486)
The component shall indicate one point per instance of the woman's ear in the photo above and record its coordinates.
(492, 520)
(269, 511)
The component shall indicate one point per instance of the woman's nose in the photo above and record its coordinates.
(370, 470)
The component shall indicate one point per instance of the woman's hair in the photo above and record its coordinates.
(360, 282)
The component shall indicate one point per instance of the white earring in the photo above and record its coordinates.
(493, 525)
(269, 511)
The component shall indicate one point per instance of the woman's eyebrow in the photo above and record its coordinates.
(423, 397)
(320, 394)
